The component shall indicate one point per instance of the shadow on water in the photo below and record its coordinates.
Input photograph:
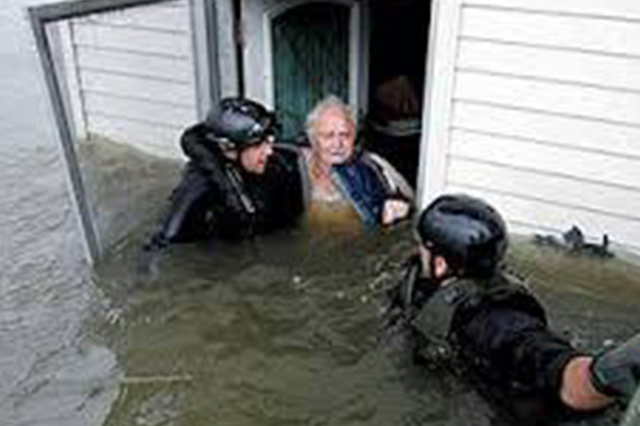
(285, 330)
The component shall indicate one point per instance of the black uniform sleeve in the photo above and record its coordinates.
(278, 193)
(284, 176)
(516, 349)
(206, 156)
(186, 218)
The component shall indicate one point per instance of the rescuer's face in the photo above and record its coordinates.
(254, 158)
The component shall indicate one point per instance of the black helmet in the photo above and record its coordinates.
(239, 122)
(466, 231)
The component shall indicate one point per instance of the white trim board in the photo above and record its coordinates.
(438, 96)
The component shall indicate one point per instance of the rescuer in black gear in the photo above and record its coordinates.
(237, 183)
(467, 311)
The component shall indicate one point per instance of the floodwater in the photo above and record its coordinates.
(287, 330)
(284, 330)
(49, 364)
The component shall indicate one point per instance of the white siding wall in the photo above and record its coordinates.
(134, 74)
(543, 118)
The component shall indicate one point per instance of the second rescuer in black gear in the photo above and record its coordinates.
(464, 308)
(237, 183)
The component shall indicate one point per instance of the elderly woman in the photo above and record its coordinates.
(346, 185)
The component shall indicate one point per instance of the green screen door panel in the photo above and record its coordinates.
(310, 61)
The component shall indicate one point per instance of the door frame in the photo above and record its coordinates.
(438, 98)
(205, 56)
(358, 49)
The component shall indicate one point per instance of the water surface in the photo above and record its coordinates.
(287, 329)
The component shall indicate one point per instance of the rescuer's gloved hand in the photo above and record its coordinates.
(405, 294)
(616, 372)
(411, 293)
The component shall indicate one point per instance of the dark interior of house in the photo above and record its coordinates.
(399, 39)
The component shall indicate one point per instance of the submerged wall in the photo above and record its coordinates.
(539, 103)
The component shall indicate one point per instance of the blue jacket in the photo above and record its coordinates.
(367, 181)
(363, 182)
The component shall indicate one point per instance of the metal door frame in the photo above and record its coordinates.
(203, 19)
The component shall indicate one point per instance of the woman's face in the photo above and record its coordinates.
(334, 138)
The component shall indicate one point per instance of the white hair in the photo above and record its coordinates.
(331, 102)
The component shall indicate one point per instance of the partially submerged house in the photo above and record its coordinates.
(533, 105)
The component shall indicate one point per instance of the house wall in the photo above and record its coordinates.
(541, 108)
(132, 75)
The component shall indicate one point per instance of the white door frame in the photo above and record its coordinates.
(438, 99)
(355, 48)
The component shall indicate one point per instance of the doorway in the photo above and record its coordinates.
(310, 60)
(399, 43)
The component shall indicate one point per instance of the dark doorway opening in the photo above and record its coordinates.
(399, 40)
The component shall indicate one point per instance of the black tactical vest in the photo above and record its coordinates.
(456, 303)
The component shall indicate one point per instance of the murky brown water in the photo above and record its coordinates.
(286, 330)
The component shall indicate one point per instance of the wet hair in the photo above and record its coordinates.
(330, 102)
